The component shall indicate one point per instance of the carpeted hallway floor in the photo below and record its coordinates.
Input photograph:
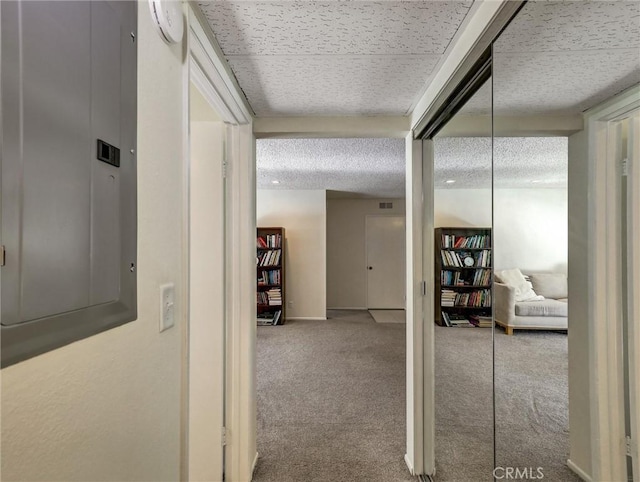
(331, 400)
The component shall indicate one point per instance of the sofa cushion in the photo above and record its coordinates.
(541, 308)
(550, 285)
(515, 278)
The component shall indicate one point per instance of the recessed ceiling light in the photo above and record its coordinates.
(450, 181)
(275, 182)
(536, 181)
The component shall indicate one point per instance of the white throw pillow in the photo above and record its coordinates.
(523, 289)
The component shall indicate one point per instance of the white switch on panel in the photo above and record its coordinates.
(167, 306)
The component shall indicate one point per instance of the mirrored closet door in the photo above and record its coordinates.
(463, 310)
(555, 64)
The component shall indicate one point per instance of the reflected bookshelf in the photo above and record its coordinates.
(463, 277)
(270, 275)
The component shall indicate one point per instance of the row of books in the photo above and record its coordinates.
(272, 297)
(481, 321)
(269, 258)
(454, 319)
(270, 241)
(456, 258)
(481, 277)
(271, 277)
(451, 319)
(477, 299)
(475, 241)
(270, 319)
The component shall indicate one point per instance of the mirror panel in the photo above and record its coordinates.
(463, 353)
(553, 62)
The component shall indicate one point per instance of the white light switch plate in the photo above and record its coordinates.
(167, 306)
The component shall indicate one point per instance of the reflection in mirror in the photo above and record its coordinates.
(463, 352)
(554, 61)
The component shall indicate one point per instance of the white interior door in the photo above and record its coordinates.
(385, 239)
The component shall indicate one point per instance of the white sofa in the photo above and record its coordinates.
(548, 314)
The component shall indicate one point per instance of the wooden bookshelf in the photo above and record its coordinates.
(270, 275)
(463, 273)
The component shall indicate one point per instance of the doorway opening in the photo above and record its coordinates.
(331, 376)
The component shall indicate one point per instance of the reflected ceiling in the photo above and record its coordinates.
(562, 58)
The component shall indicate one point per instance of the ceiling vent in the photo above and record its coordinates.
(386, 205)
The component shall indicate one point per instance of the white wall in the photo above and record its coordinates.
(108, 407)
(530, 225)
(346, 254)
(579, 332)
(303, 215)
(206, 297)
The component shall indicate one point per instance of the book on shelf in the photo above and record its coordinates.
(475, 241)
(475, 299)
(481, 277)
(453, 319)
(269, 277)
(269, 258)
(269, 241)
(481, 321)
(456, 259)
(269, 319)
(274, 297)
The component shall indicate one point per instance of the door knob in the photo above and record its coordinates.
(369, 267)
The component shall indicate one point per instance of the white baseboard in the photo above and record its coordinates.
(359, 308)
(578, 471)
(312, 318)
(253, 466)
(409, 464)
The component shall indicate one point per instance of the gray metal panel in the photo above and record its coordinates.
(68, 219)
(55, 121)
(105, 124)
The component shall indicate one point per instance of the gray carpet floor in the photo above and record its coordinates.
(331, 400)
(531, 403)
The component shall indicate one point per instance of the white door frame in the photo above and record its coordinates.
(366, 248)
(633, 243)
(206, 68)
(605, 370)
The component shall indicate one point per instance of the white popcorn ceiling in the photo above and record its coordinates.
(368, 167)
(376, 167)
(333, 57)
(518, 162)
(563, 57)
(353, 57)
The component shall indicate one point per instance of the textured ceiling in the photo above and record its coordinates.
(363, 57)
(562, 58)
(333, 57)
(518, 162)
(375, 167)
(366, 167)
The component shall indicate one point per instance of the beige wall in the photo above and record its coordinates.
(530, 225)
(108, 407)
(303, 215)
(346, 255)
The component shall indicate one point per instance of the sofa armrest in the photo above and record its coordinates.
(504, 305)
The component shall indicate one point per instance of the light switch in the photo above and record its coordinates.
(167, 306)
